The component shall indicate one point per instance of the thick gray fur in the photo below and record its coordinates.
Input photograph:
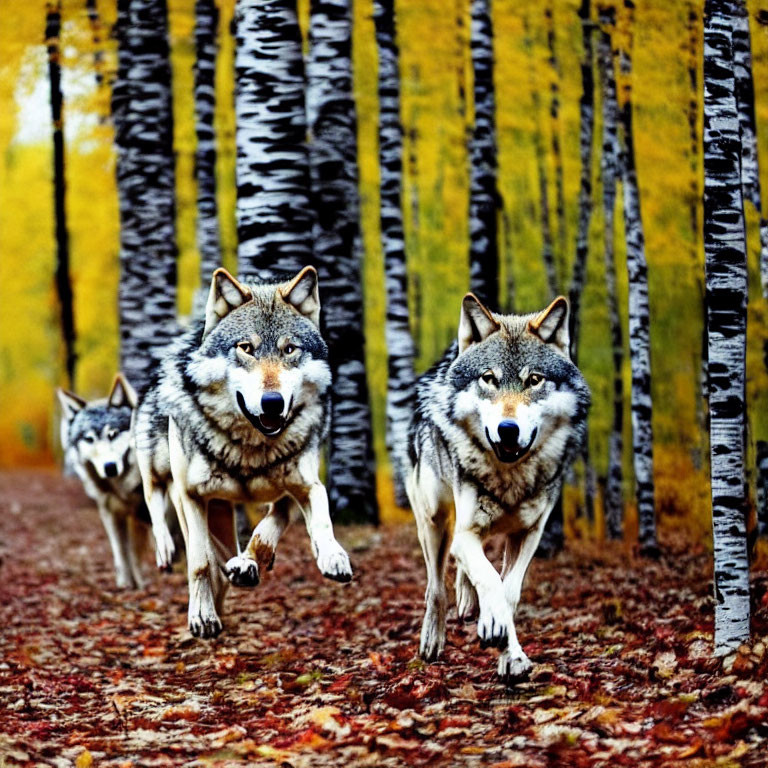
(503, 367)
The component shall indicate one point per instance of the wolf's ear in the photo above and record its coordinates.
(476, 323)
(70, 403)
(551, 325)
(225, 295)
(122, 393)
(303, 295)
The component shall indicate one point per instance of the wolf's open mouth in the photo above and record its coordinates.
(510, 456)
(271, 426)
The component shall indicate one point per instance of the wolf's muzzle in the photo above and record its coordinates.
(271, 421)
(508, 448)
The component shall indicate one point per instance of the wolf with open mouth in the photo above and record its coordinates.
(495, 425)
(238, 413)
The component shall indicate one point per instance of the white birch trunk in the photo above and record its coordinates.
(333, 160)
(400, 345)
(726, 274)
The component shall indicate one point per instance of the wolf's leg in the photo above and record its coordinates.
(243, 570)
(137, 541)
(513, 663)
(332, 560)
(164, 546)
(495, 620)
(154, 498)
(466, 597)
(433, 536)
(202, 564)
(117, 535)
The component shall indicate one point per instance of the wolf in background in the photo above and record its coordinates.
(96, 439)
(497, 422)
(238, 413)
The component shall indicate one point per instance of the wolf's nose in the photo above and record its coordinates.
(272, 404)
(509, 433)
(110, 469)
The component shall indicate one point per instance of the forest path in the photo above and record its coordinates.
(309, 672)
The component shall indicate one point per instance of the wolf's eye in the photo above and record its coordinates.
(534, 380)
(245, 347)
(89, 438)
(489, 378)
(289, 349)
(112, 434)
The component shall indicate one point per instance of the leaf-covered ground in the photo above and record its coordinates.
(312, 673)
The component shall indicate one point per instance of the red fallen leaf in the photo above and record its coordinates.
(340, 685)
(454, 722)
(695, 747)
(670, 708)
(666, 733)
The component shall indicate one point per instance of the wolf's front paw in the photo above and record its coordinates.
(205, 625)
(493, 626)
(242, 571)
(334, 564)
(514, 668)
(164, 547)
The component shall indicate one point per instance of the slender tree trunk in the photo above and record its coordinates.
(547, 249)
(208, 238)
(400, 344)
(274, 215)
(745, 99)
(639, 315)
(63, 282)
(762, 488)
(508, 303)
(586, 133)
(483, 190)
(609, 167)
(725, 249)
(146, 184)
(557, 152)
(333, 160)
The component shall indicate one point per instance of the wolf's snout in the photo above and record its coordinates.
(110, 469)
(509, 434)
(272, 404)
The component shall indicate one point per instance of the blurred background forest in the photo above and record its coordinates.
(436, 111)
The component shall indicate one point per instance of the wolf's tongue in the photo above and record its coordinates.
(270, 422)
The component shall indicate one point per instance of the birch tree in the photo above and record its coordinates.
(483, 190)
(639, 314)
(609, 169)
(274, 215)
(208, 238)
(555, 128)
(726, 278)
(333, 159)
(400, 345)
(63, 281)
(586, 133)
(146, 185)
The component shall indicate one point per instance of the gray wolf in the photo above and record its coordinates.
(96, 438)
(497, 422)
(238, 413)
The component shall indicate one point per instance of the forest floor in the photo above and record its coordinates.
(310, 673)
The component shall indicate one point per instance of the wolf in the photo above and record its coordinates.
(497, 421)
(97, 444)
(238, 413)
